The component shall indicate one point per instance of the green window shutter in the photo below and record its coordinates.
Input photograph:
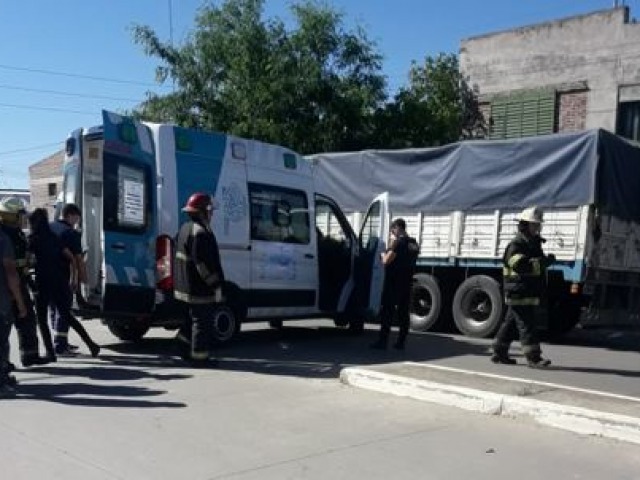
(523, 114)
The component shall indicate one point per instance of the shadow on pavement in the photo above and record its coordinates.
(87, 395)
(314, 352)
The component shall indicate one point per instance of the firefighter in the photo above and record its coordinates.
(198, 279)
(12, 212)
(524, 276)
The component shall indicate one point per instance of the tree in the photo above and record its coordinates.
(313, 88)
(437, 107)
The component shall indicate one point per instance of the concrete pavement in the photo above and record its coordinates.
(274, 410)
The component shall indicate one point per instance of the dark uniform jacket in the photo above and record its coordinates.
(198, 270)
(524, 271)
(19, 242)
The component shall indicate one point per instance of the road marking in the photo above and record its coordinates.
(524, 380)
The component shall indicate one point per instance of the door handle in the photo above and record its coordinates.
(309, 255)
(119, 246)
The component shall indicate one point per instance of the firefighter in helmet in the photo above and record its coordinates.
(12, 214)
(524, 277)
(198, 279)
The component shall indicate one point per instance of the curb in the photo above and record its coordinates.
(575, 419)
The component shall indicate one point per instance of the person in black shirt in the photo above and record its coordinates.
(56, 267)
(399, 261)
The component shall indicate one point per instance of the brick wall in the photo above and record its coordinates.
(572, 111)
(42, 178)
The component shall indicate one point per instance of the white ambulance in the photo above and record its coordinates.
(287, 250)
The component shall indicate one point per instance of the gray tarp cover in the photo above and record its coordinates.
(560, 170)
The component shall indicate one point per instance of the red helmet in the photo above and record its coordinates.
(199, 202)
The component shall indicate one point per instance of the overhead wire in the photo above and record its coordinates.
(79, 75)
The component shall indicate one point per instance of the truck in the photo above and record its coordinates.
(461, 202)
(287, 250)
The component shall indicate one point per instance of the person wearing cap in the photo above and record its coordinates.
(524, 276)
(399, 262)
(198, 280)
(12, 214)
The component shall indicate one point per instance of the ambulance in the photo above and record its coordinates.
(287, 250)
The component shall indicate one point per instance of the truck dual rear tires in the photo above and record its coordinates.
(426, 302)
(478, 307)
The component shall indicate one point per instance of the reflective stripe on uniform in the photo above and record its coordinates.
(206, 274)
(200, 355)
(536, 268)
(182, 256)
(512, 262)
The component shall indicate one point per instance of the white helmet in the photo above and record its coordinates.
(531, 215)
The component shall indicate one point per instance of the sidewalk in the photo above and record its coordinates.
(575, 409)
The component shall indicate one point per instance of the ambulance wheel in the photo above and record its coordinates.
(426, 302)
(130, 331)
(477, 306)
(226, 324)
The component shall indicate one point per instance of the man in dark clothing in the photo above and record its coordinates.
(524, 286)
(198, 279)
(12, 213)
(9, 293)
(72, 272)
(399, 261)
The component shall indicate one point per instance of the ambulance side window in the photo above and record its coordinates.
(279, 214)
(127, 196)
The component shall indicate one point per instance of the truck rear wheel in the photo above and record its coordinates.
(426, 302)
(477, 306)
(132, 331)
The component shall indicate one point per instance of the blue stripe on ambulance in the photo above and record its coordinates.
(199, 157)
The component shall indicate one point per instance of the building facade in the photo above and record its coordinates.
(564, 75)
(45, 181)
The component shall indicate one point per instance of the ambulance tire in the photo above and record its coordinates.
(130, 331)
(478, 306)
(426, 302)
(226, 324)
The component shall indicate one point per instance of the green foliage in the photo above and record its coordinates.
(437, 107)
(315, 86)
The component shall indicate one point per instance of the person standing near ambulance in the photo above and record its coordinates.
(12, 214)
(198, 279)
(74, 271)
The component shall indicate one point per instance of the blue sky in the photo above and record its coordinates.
(82, 38)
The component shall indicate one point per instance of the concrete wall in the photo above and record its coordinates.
(41, 175)
(600, 50)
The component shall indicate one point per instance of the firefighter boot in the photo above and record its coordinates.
(501, 355)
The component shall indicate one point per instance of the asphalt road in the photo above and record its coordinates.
(275, 410)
